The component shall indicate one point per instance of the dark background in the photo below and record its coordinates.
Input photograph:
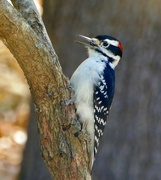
(131, 145)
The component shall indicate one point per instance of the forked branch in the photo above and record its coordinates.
(66, 156)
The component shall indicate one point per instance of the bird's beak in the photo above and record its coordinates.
(86, 41)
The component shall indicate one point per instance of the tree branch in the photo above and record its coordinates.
(28, 10)
(66, 156)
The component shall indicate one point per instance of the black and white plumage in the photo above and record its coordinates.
(102, 99)
(94, 83)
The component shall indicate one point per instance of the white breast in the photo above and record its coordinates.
(83, 81)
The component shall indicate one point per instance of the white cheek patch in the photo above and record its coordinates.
(110, 54)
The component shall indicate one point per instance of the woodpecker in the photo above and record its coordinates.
(93, 83)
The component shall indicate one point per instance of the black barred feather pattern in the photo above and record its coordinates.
(103, 95)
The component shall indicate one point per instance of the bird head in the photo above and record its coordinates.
(104, 46)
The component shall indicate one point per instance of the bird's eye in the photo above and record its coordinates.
(105, 44)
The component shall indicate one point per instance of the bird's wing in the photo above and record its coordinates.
(103, 95)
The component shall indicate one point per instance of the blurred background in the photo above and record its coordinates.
(131, 146)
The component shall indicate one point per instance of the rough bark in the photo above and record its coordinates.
(65, 155)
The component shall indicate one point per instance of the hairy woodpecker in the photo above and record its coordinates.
(93, 83)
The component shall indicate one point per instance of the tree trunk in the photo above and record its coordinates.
(23, 32)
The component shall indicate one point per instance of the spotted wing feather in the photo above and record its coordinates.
(103, 95)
